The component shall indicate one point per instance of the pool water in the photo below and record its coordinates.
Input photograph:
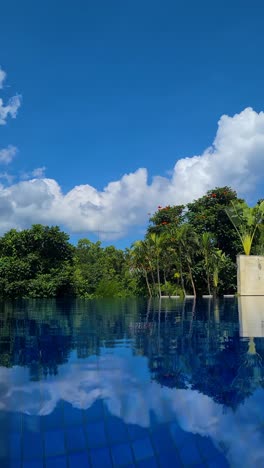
(132, 383)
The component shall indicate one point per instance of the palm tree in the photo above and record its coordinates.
(140, 260)
(156, 241)
(218, 262)
(206, 249)
(175, 252)
(188, 246)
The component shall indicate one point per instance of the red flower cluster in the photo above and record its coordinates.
(165, 208)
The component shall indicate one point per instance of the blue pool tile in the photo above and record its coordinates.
(142, 449)
(72, 415)
(31, 423)
(95, 412)
(207, 448)
(169, 459)
(33, 463)
(189, 453)
(32, 445)
(116, 430)
(54, 442)
(55, 419)
(96, 434)
(75, 438)
(121, 454)
(101, 458)
(79, 460)
(137, 432)
(178, 435)
(162, 439)
(219, 462)
(148, 463)
(15, 422)
(14, 445)
(11, 464)
(56, 462)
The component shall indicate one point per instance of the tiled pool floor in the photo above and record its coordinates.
(72, 438)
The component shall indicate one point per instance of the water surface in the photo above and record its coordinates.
(132, 383)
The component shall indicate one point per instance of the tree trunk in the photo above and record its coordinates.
(191, 278)
(152, 276)
(182, 280)
(158, 277)
(208, 282)
(147, 282)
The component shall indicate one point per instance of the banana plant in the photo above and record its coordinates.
(246, 221)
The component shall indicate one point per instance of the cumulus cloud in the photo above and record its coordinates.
(7, 154)
(236, 158)
(12, 106)
(37, 173)
(2, 77)
(125, 385)
(9, 178)
(10, 110)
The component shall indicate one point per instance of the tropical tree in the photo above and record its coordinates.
(188, 247)
(207, 214)
(218, 261)
(206, 250)
(246, 221)
(140, 262)
(36, 262)
(156, 243)
(165, 218)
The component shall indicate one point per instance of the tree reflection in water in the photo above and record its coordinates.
(187, 344)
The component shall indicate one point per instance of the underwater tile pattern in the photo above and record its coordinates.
(93, 438)
(147, 374)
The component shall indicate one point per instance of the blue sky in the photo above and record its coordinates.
(109, 87)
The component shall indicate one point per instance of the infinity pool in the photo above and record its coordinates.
(132, 383)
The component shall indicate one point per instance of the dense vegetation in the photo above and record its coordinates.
(186, 249)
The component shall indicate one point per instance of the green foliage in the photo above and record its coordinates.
(186, 250)
(172, 289)
(108, 288)
(246, 220)
(193, 246)
(165, 218)
(101, 272)
(36, 262)
(208, 214)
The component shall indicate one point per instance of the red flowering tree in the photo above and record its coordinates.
(166, 217)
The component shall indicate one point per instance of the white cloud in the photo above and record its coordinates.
(10, 110)
(125, 385)
(9, 178)
(236, 158)
(37, 173)
(12, 106)
(2, 77)
(7, 154)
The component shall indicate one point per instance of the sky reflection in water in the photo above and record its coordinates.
(200, 365)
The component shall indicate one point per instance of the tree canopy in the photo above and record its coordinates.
(186, 250)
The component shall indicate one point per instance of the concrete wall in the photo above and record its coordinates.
(250, 275)
(251, 316)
